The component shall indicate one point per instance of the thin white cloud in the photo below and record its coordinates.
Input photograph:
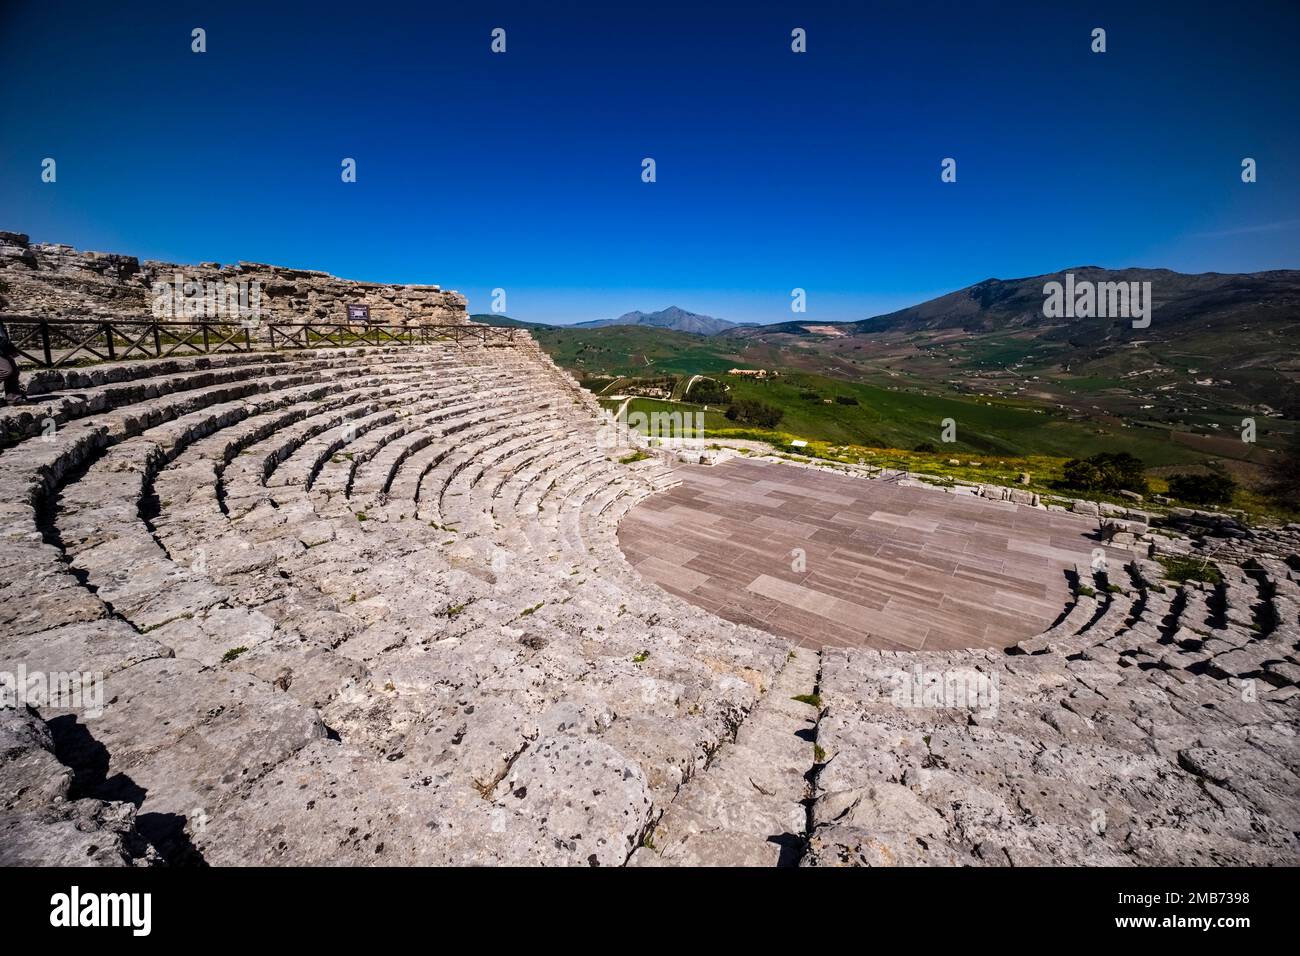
(1248, 230)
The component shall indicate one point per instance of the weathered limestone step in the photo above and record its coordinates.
(747, 807)
(462, 500)
(533, 696)
(368, 467)
(417, 646)
(31, 477)
(1078, 617)
(434, 486)
(176, 377)
(418, 456)
(40, 825)
(1006, 779)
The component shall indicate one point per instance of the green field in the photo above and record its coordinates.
(635, 350)
(1014, 409)
(884, 418)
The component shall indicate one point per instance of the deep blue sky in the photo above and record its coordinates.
(775, 170)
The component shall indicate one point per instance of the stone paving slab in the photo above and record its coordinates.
(884, 566)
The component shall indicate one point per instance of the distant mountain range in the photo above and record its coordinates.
(679, 320)
(504, 321)
(673, 318)
(1005, 304)
(1211, 342)
(1264, 305)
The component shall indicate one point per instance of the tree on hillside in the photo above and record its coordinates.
(1106, 472)
(1211, 489)
(707, 391)
(746, 411)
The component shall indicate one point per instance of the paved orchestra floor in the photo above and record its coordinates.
(884, 566)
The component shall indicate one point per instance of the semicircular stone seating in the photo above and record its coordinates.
(368, 606)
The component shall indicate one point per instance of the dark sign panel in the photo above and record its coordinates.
(359, 313)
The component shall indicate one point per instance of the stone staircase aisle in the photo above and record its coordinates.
(749, 806)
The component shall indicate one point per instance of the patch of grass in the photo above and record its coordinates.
(362, 516)
(1184, 569)
(233, 653)
(819, 755)
(812, 700)
(529, 611)
(1084, 591)
(638, 455)
(641, 658)
(180, 617)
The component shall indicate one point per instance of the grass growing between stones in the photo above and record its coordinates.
(1182, 570)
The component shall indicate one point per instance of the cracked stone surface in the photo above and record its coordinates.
(369, 606)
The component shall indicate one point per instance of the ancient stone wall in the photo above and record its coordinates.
(57, 281)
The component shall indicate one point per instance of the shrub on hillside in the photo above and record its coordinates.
(708, 392)
(1211, 489)
(810, 396)
(846, 400)
(1106, 472)
(749, 412)
(926, 448)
